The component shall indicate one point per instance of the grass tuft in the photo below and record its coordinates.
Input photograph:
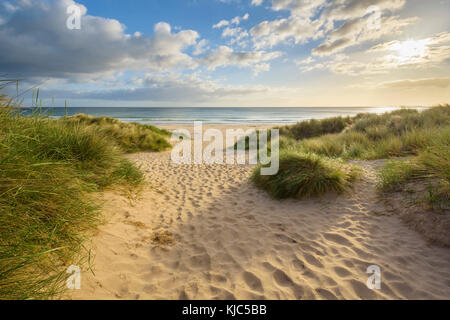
(306, 175)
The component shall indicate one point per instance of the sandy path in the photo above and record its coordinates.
(233, 241)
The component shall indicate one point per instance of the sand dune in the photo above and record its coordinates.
(205, 232)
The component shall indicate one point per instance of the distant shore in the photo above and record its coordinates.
(182, 116)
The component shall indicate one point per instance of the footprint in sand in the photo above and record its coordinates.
(252, 281)
(202, 261)
(337, 239)
(342, 272)
(325, 294)
(283, 280)
(312, 260)
(361, 290)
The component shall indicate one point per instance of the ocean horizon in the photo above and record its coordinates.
(215, 115)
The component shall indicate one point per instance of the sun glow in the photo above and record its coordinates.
(410, 49)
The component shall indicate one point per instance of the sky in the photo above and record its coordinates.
(229, 53)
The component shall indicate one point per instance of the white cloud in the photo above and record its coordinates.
(357, 31)
(201, 47)
(236, 35)
(299, 27)
(303, 8)
(350, 9)
(164, 87)
(220, 24)
(305, 61)
(226, 56)
(235, 21)
(386, 57)
(39, 44)
(419, 53)
(295, 29)
(262, 67)
(257, 2)
(418, 83)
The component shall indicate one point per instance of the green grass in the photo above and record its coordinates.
(315, 128)
(306, 175)
(316, 148)
(255, 134)
(397, 134)
(131, 137)
(431, 167)
(48, 171)
(429, 149)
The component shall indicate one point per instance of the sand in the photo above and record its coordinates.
(205, 232)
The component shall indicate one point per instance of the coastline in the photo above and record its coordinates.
(230, 116)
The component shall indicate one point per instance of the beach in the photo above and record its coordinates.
(206, 232)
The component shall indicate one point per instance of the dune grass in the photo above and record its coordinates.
(48, 171)
(313, 154)
(306, 175)
(245, 141)
(306, 129)
(315, 128)
(131, 137)
(396, 134)
(431, 167)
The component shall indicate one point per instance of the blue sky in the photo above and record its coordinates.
(230, 52)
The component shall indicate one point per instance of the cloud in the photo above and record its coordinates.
(420, 53)
(38, 43)
(357, 31)
(330, 47)
(226, 56)
(235, 21)
(315, 19)
(165, 88)
(386, 57)
(305, 61)
(350, 9)
(303, 8)
(295, 29)
(234, 32)
(418, 83)
(221, 24)
(257, 2)
(299, 27)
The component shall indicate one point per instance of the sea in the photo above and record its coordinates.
(215, 115)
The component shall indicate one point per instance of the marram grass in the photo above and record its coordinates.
(311, 152)
(396, 134)
(306, 175)
(130, 137)
(430, 167)
(48, 171)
